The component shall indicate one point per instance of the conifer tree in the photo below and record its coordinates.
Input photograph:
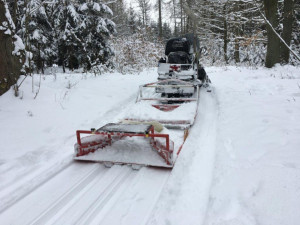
(95, 30)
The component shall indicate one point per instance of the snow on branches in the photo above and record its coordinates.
(136, 52)
(70, 33)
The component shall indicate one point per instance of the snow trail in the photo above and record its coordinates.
(239, 164)
(184, 198)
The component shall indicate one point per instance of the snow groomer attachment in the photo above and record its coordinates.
(133, 144)
(169, 90)
(172, 102)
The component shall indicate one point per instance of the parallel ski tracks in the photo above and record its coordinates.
(87, 193)
(97, 208)
(58, 204)
(28, 184)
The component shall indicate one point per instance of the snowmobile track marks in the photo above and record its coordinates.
(95, 194)
(66, 197)
(88, 193)
(25, 188)
(102, 204)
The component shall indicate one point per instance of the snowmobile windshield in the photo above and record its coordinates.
(177, 44)
(179, 58)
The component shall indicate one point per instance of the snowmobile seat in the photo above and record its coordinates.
(179, 58)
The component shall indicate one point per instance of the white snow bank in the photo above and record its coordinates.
(256, 179)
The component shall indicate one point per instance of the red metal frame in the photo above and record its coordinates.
(165, 107)
(170, 99)
(165, 151)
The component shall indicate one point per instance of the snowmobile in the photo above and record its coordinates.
(181, 63)
(181, 60)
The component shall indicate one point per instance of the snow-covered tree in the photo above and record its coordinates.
(95, 29)
(70, 33)
(136, 52)
(67, 24)
(40, 32)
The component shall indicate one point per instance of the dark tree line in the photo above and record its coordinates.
(234, 31)
(70, 33)
(277, 52)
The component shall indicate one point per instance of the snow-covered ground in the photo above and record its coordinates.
(240, 164)
(257, 165)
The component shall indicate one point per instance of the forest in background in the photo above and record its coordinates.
(100, 36)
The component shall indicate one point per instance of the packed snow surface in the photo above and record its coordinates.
(145, 111)
(239, 164)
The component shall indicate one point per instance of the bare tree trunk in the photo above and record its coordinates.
(273, 48)
(64, 67)
(181, 16)
(188, 27)
(174, 12)
(288, 18)
(236, 50)
(10, 64)
(143, 13)
(236, 31)
(14, 13)
(144, 5)
(159, 19)
(225, 34)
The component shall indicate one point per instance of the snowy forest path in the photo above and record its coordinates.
(67, 192)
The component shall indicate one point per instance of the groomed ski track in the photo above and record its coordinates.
(90, 193)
